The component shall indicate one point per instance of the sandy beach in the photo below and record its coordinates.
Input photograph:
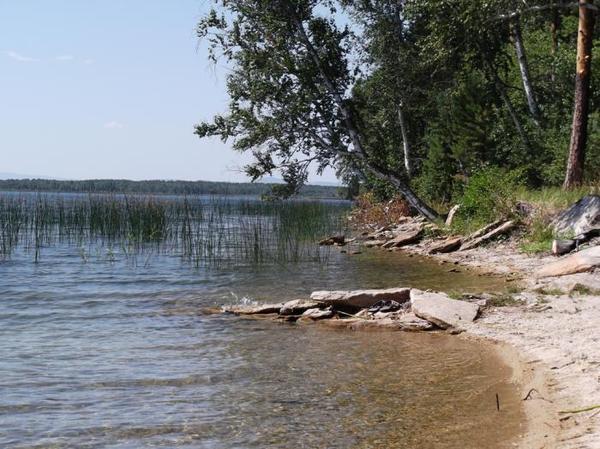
(550, 339)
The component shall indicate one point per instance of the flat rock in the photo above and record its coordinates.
(580, 262)
(360, 299)
(252, 309)
(405, 238)
(298, 306)
(411, 322)
(439, 309)
(581, 217)
(447, 246)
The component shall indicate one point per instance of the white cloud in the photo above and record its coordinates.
(114, 125)
(20, 58)
(65, 58)
(88, 61)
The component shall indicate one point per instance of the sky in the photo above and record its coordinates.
(110, 89)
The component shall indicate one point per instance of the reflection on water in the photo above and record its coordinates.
(118, 355)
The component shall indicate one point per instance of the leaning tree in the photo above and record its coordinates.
(290, 82)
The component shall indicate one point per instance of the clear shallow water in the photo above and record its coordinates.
(118, 355)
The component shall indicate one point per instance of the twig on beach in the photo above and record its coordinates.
(579, 410)
(497, 402)
(528, 396)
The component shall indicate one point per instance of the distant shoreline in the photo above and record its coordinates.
(161, 187)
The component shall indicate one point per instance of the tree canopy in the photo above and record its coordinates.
(410, 96)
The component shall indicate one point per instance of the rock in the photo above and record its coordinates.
(334, 240)
(298, 306)
(439, 309)
(405, 238)
(255, 309)
(411, 322)
(447, 246)
(372, 243)
(317, 314)
(451, 214)
(473, 242)
(580, 217)
(360, 299)
(580, 262)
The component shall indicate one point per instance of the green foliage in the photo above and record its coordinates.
(490, 194)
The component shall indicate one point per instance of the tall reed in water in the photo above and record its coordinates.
(204, 231)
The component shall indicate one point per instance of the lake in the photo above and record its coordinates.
(103, 343)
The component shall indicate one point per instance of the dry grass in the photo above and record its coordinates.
(369, 212)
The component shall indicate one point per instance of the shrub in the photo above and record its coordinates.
(489, 195)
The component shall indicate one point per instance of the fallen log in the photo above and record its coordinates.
(503, 228)
(560, 247)
(580, 262)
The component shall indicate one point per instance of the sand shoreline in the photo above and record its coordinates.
(550, 342)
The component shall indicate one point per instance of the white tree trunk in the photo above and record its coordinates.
(405, 142)
(524, 68)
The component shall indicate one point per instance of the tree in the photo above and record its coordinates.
(289, 89)
(576, 159)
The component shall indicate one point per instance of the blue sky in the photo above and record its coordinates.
(109, 89)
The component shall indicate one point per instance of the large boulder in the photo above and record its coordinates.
(580, 262)
(360, 299)
(580, 217)
(298, 306)
(439, 309)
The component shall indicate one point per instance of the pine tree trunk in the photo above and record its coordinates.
(524, 68)
(575, 163)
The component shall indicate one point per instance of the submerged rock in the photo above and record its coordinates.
(439, 309)
(254, 309)
(360, 299)
(298, 306)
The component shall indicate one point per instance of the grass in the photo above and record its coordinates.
(551, 291)
(200, 230)
(504, 300)
(583, 290)
(554, 199)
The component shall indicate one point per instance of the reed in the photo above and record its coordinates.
(201, 230)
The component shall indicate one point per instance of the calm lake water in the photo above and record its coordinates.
(112, 350)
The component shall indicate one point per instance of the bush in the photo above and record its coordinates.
(489, 195)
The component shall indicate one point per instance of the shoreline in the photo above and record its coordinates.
(549, 341)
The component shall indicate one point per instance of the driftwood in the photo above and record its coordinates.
(451, 214)
(560, 247)
(580, 262)
(490, 234)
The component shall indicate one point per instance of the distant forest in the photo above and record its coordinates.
(162, 187)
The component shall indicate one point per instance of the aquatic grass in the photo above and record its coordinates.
(203, 231)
